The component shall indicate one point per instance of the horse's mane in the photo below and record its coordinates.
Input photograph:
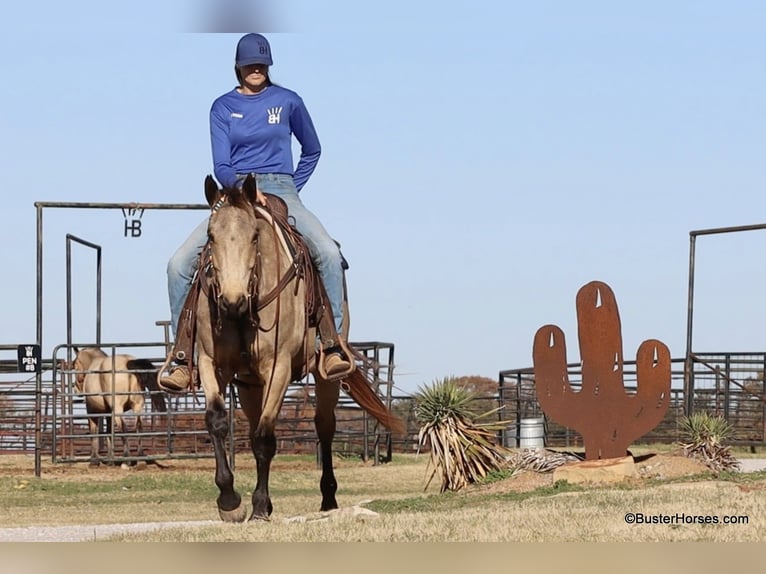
(237, 198)
(93, 351)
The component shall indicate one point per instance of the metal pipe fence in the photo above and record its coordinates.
(179, 433)
(730, 385)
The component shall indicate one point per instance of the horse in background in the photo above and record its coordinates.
(252, 322)
(111, 387)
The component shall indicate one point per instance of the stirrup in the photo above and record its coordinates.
(167, 368)
(337, 376)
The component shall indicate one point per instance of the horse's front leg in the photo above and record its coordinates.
(262, 407)
(139, 430)
(109, 430)
(251, 400)
(119, 425)
(324, 421)
(93, 427)
(264, 444)
(230, 507)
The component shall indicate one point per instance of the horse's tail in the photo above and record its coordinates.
(148, 380)
(358, 388)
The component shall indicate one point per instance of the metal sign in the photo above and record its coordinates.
(29, 357)
(132, 218)
(608, 418)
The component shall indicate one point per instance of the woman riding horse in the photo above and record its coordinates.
(251, 129)
(252, 330)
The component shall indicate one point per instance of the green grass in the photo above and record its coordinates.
(450, 501)
(497, 476)
(150, 487)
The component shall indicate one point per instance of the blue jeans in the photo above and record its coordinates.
(322, 248)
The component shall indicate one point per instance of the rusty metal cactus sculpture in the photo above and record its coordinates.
(608, 418)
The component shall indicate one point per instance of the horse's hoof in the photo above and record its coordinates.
(94, 462)
(237, 515)
(262, 507)
(332, 505)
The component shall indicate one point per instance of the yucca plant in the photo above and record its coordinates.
(705, 435)
(462, 450)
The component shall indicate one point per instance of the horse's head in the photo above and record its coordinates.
(82, 361)
(64, 365)
(74, 365)
(233, 237)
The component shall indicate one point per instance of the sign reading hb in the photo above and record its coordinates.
(29, 359)
(133, 217)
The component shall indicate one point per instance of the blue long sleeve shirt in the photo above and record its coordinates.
(253, 134)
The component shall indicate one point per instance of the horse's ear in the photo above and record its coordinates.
(212, 193)
(249, 188)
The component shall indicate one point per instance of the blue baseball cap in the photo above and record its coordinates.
(253, 49)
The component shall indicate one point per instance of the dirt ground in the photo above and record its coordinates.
(648, 467)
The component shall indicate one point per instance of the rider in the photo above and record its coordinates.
(251, 129)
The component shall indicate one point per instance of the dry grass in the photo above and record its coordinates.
(524, 508)
(575, 516)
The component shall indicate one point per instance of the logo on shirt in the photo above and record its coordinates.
(236, 115)
(274, 114)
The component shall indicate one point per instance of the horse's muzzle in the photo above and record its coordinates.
(234, 309)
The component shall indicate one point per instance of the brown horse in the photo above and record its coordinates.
(110, 388)
(252, 323)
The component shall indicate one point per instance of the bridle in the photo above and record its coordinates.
(212, 273)
(255, 300)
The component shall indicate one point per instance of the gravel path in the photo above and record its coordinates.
(752, 464)
(86, 532)
(94, 532)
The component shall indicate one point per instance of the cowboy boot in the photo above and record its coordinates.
(336, 362)
(178, 380)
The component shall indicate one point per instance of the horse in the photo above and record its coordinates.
(112, 388)
(252, 329)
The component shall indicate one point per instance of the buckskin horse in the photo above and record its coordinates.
(252, 321)
(111, 388)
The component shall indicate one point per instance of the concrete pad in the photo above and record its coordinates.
(597, 471)
(752, 464)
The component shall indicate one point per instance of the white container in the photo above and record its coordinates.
(532, 433)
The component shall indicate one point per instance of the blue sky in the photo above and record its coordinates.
(481, 162)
